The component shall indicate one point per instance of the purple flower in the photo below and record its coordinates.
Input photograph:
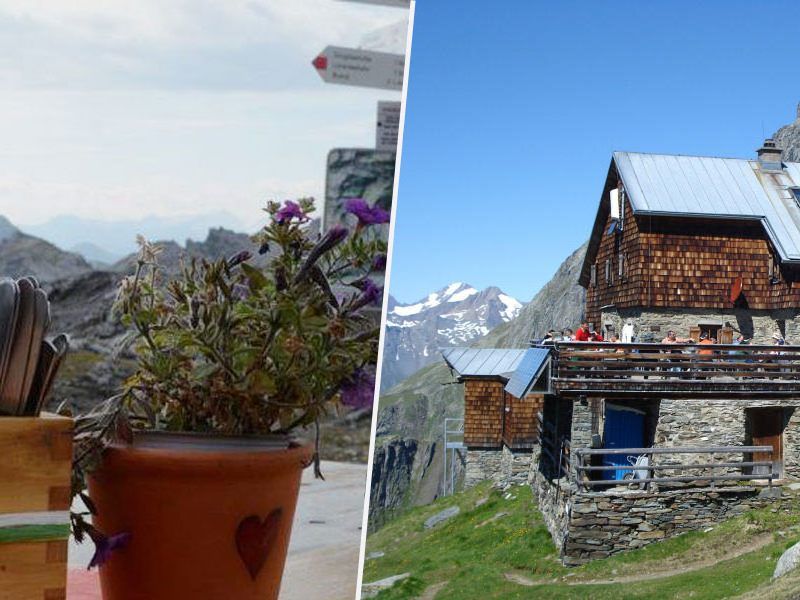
(327, 242)
(290, 210)
(239, 258)
(359, 390)
(371, 293)
(379, 262)
(240, 291)
(105, 545)
(336, 234)
(367, 215)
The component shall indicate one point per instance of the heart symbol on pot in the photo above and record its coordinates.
(254, 539)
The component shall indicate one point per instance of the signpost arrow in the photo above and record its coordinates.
(396, 3)
(366, 68)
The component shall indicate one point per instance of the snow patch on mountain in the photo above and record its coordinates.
(453, 316)
(462, 295)
(513, 306)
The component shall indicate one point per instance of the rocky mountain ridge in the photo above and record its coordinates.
(788, 138)
(22, 254)
(81, 298)
(455, 315)
(408, 462)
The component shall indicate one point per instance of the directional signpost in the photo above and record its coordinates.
(365, 68)
(361, 172)
(388, 126)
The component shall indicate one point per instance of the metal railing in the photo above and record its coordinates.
(690, 370)
(453, 436)
(710, 471)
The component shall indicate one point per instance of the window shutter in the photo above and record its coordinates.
(694, 333)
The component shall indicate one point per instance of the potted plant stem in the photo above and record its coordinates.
(194, 468)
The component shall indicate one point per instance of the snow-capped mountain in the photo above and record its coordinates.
(453, 316)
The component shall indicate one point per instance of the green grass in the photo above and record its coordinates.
(472, 561)
(78, 362)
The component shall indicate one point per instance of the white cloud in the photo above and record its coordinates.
(156, 44)
(119, 110)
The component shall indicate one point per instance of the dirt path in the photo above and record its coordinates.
(755, 544)
(431, 591)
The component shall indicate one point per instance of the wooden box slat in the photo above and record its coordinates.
(36, 464)
(33, 570)
(35, 473)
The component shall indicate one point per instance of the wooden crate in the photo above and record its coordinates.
(35, 470)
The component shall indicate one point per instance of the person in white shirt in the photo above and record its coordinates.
(627, 333)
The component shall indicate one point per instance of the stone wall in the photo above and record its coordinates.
(552, 497)
(515, 466)
(502, 466)
(482, 464)
(601, 524)
(758, 325)
(722, 423)
(581, 435)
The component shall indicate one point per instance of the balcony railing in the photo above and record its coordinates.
(669, 370)
(690, 466)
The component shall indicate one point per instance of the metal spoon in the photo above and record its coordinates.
(9, 302)
(14, 380)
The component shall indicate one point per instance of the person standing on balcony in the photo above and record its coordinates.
(706, 340)
(627, 332)
(583, 334)
(672, 338)
(779, 341)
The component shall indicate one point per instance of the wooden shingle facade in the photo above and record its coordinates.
(493, 417)
(484, 402)
(649, 259)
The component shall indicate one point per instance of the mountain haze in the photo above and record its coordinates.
(22, 254)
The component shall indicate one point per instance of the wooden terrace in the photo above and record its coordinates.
(675, 370)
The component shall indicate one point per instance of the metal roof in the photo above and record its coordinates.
(528, 371)
(483, 362)
(701, 186)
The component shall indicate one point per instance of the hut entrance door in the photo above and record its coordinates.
(766, 429)
(624, 428)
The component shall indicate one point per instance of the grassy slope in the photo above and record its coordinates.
(469, 561)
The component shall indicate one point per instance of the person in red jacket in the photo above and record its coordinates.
(583, 334)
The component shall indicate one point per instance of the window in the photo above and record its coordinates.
(774, 270)
(796, 194)
(608, 270)
(621, 264)
(710, 329)
(593, 276)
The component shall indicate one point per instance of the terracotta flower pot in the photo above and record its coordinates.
(209, 518)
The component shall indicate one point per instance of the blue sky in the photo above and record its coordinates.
(513, 113)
